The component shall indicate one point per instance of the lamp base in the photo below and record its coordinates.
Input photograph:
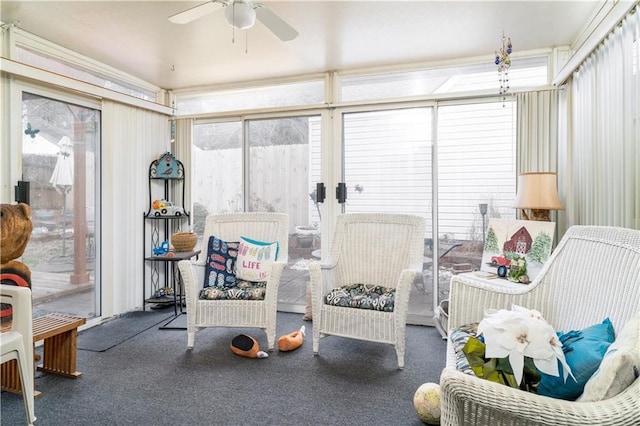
(537, 214)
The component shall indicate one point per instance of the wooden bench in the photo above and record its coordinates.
(59, 354)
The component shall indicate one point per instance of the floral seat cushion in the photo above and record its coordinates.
(459, 338)
(243, 290)
(362, 296)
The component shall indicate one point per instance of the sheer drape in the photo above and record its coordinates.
(603, 142)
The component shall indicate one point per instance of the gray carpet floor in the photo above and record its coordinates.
(137, 374)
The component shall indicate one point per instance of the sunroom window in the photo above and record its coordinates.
(59, 66)
(272, 96)
(523, 73)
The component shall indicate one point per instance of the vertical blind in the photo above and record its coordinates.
(604, 148)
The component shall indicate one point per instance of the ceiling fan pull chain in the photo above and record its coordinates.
(246, 41)
(233, 19)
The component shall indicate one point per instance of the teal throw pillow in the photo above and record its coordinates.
(583, 350)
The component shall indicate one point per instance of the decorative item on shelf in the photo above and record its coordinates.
(512, 242)
(184, 241)
(167, 167)
(537, 192)
(163, 292)
(518, 270)
(166, 208)
(164, 249)
(503, 61)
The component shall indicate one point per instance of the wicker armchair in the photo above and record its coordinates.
(593, 273)
(236, 313)
(374, 249)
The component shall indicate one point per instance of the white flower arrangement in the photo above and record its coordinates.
(520, 333)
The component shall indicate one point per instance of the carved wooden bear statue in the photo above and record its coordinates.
(16, 231)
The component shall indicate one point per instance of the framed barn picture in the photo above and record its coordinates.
(508, 241)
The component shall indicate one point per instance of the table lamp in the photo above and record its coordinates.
(537, 192)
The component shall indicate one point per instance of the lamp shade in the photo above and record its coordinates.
(240, 15)
(538, 191)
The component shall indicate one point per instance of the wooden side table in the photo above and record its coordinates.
(60, 335)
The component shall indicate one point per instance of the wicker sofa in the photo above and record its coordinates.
(593, 273)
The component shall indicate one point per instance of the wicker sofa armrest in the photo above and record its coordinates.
(471, 296)
(469, 400)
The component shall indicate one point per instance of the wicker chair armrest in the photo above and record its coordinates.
(470, 297)
(199, 261)
(320, 277)
(192, 273)
(328, 263)
(273, 283)
(469, 400)
(327, 269)
(405, 281)
(403, 291)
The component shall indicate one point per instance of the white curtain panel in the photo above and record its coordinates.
(181, 149)
(604, 150)
(537, 134)
(537, 131)
(131, 139)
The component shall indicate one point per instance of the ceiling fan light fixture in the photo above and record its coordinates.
(240, 15)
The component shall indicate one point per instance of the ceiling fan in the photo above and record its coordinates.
(240, 14)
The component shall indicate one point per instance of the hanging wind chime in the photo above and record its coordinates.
(503, 61)
(172, 122)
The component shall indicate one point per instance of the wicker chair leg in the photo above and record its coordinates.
(191, 337)
(400, 354)
(400, 348)
(271, 337)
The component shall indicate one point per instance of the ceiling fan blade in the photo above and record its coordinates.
(196, 12)
(274, 23)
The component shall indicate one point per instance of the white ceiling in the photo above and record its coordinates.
(136, 37)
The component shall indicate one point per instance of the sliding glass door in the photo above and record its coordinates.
(60, 146)
(263, 165)
(389, 158)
